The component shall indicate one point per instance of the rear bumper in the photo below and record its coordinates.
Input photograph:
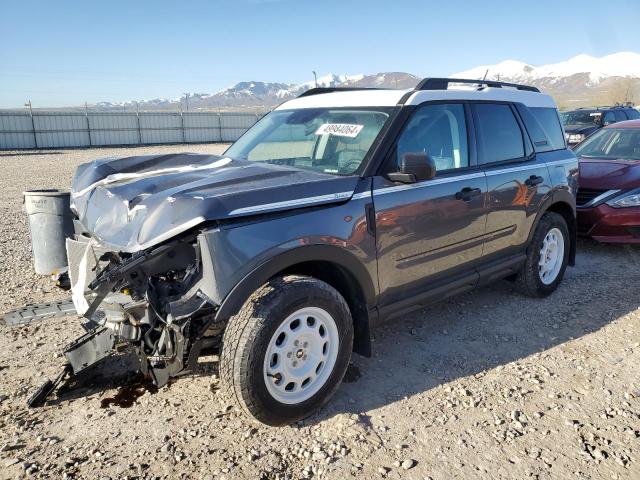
(610, 225)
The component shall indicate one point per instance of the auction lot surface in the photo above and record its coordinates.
(487, 385)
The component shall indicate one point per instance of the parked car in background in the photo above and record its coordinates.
(608, 201)
(579, 124)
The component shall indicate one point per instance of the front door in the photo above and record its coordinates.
(428, 231)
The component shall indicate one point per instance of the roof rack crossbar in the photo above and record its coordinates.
(443, 84)
(319, 90)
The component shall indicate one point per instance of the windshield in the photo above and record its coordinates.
(581, 118)
(612, 144)
(328, 140)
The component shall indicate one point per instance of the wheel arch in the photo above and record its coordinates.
(335, 266)
(561, 203)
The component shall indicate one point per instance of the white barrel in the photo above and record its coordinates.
(50, 223)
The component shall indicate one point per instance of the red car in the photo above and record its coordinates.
(608, 202)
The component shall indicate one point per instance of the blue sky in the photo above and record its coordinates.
(66, 52)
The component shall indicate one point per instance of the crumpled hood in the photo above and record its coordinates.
(609, 174)
(133, 203)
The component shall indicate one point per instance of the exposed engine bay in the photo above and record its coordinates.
(150, 300)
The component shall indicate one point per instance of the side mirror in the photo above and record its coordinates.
(414, 167)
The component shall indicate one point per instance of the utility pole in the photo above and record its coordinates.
(86, 116)
(186, 100)
(33, 124)
(184, 136)
(138, 122)
(315, 78)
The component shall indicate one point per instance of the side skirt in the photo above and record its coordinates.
(461, 283)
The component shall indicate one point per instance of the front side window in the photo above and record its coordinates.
(439, 130)
(612, 144)
(500, 136)
(609, 118)
(327, 140)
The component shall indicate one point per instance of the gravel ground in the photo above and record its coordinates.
(485, 385)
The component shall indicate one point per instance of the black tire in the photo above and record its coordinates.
(528, 281)
(247, 337)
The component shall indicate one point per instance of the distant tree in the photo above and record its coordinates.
(623, 90)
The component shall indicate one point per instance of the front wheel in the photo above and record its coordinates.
(285, 353)
(547, 257)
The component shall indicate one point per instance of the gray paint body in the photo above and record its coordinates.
(233, 250)
(254, 220)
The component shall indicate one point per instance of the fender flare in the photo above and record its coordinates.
(309, 253)
(559, 197)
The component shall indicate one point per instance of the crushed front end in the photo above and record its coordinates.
(150, 300)
(154, 256)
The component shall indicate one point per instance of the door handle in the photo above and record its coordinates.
(467, 193)
(534, 180)
(370, 216)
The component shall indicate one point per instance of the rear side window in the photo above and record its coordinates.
(620, 116)
(632, 114)
(550, 123)
(499, 134)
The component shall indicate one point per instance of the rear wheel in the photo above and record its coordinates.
(285, 353)
(547, 257)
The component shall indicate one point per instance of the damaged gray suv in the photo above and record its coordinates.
(337, 210)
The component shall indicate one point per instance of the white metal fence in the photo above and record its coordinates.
(73, 129)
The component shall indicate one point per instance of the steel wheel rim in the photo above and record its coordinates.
(301, 355)
(551, 256)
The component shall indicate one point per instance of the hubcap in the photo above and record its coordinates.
(551, 256)
(301, 355)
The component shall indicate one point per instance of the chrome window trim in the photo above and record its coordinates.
(292, 203)
(427, 183)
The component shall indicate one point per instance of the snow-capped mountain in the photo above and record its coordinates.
(580, 81)
(253, 93)
(149, 103)
(264, 94)
(623, 64)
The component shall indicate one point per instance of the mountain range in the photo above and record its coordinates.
(580, 81)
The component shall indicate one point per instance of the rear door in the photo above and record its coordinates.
(517, 180)
(430, 230)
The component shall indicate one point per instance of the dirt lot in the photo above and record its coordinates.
(486, 385)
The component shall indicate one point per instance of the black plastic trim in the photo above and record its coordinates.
(321, 90)
(443, 84)
(260, 275)
(559, 197)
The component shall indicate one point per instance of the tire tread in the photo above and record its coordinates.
(243, 327)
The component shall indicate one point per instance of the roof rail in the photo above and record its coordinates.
(319, 90)
(443, 84)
